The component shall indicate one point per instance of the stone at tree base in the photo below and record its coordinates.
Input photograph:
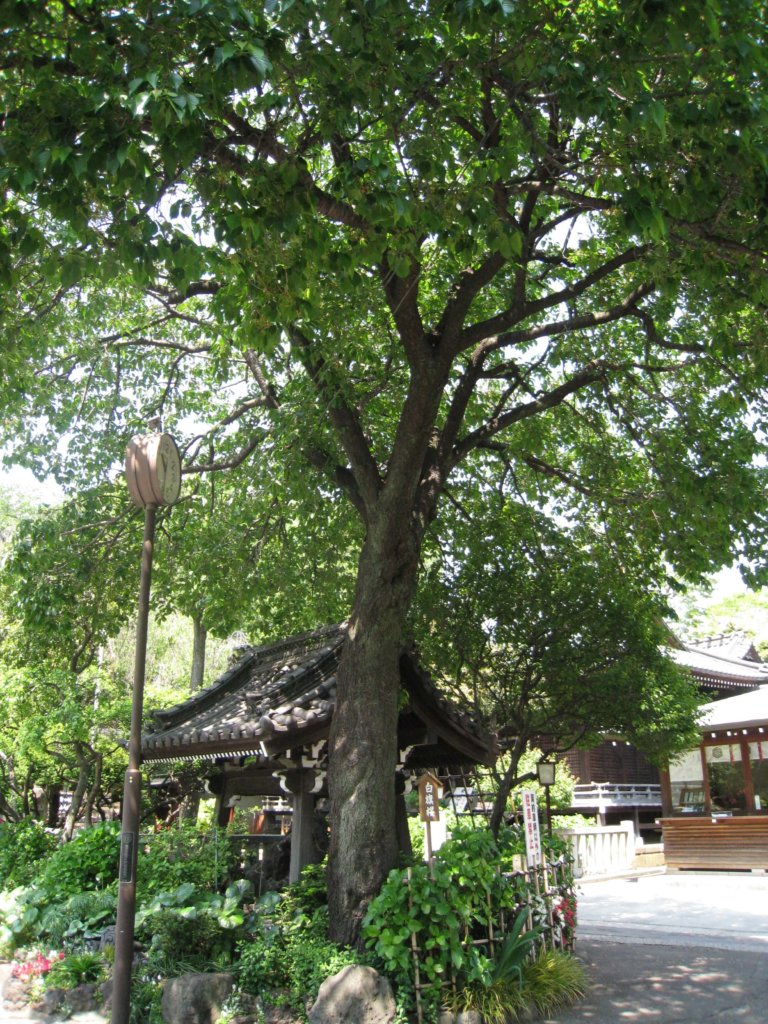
(83, 999)
(356, 995)
(276, 1015)
(51, 1002)
(196, 998)
(463, 1017)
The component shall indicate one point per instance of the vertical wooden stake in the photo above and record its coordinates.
(415, 953)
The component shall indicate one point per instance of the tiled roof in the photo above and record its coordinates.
(735, 644)
(282, 695)
(713, 666)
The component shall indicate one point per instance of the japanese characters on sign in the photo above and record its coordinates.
(531, 826)
(429, 795)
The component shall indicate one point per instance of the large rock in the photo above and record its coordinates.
(196, 998)
(84, 998)
(356, 995)
(50, 1003)
(15, 992)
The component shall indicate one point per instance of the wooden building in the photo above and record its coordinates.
(615, 781)
(265, 725)
(715, 798)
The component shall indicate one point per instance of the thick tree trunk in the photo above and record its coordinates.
(200, 635)
(364, 732)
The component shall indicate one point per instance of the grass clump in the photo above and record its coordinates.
(553, 980)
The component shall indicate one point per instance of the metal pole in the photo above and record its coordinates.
(129, 838)
(549, 811)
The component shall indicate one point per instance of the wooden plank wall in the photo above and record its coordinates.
(701, 842)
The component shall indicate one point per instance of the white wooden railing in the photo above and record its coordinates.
(611, 794)
(601, 850)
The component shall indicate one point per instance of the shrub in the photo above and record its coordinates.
(89, 861)
(23, 846)
(449, 908)
(552, 980)
(75, 969)
(181, 854)
(180, 943)
(442, 906)
(79, 918)
(290, 957)
(497, 1003)
(288, 967)
(20, 911)
(146, 999)
(191, 928)
(34, 965)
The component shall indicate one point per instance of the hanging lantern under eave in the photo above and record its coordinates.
(153, 470)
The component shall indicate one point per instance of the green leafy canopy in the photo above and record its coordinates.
(396, 251)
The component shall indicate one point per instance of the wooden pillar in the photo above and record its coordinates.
(301, 784)
(302, 844)
(705, 777)
(223, 812)
(746, 769)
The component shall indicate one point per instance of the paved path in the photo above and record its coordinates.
(674, 949)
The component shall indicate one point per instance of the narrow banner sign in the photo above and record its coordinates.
(531, 826)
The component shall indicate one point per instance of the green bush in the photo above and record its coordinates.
(554, 979)
(89, 861)
(20, 911)
(497, 1003)
(78, 918)
(146, 998)
(23, 846)
(76, 969)
(441, 906)
(287, 967)
(290, 957)
(181, 944)
(181, 854)
(470, 885)
(190, 928)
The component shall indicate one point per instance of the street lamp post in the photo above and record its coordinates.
(153, 475)
(545, 771)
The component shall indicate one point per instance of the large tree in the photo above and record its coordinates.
(410, 245)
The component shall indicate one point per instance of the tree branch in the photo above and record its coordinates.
(237, 459)
(503, 321)
(588, 375)
(576, 323)
(346, 422)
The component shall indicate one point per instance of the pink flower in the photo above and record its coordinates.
(34, 966)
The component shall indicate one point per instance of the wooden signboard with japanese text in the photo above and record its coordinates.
(429, 797)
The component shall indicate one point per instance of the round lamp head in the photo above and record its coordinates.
(153, 470)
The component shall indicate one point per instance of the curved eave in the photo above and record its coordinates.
(454, 729)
